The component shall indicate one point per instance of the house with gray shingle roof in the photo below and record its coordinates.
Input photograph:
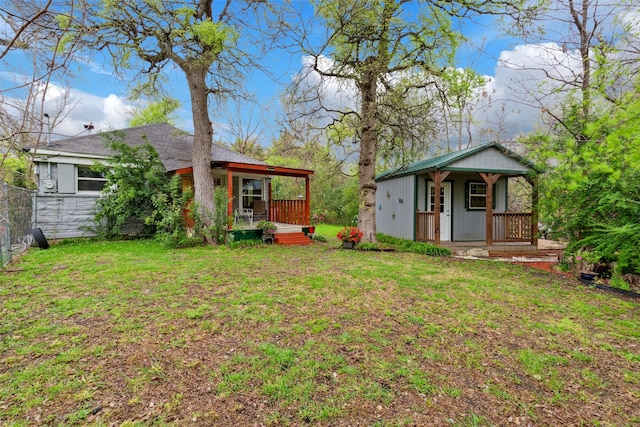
(472, 209)
(68, 188)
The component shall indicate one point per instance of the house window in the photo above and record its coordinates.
(90, 180)
(251, 190)
(477, 195)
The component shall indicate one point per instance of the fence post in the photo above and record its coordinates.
(5, 237)
(34, 210)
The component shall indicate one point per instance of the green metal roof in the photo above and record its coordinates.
(441, 162)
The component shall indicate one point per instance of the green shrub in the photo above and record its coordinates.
(367, 246)
(169, 216)
(405, 245)
(319, 238)
(218, 228)
(137, 188)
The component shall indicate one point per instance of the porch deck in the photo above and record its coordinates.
(497, 249)
(544, 247)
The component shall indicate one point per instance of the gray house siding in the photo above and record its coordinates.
(467, 225)
(470, 225)
(61, 213)
(395, 214)
(65, 216)
(490, 159)
(66, 177)
(461, 168)
(422, 193)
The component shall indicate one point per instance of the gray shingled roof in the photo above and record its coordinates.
(173, 145)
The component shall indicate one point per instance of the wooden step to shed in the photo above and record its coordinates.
(298, 238)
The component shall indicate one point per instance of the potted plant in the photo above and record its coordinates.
(268, 229)
(588, 262)
(350, 236)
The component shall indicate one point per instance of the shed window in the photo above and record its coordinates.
(90, 180)
(477, 195)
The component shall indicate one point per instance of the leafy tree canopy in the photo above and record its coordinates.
(591, 192)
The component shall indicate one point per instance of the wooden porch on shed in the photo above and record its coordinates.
(503, 229)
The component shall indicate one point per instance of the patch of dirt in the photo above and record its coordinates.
(548, 266)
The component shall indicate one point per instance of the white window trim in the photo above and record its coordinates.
(79, 178)
(473, 195)
(255, 197)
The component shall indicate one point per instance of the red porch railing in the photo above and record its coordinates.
(288, 212)
(425, 227)
(512, 226)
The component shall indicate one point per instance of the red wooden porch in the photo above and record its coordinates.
(297, 212)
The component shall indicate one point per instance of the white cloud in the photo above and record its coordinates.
(81, 108)
(525, 80)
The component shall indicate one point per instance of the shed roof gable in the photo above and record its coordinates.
(491, 157)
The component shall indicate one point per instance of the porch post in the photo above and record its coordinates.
(270, 215)
(534, 210)
(489, 179)
(229, 199)
(437, 183)
(437, 177)
(307, 201)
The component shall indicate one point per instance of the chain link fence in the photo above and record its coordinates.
(17, 220)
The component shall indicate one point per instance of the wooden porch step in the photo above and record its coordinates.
(297, 238)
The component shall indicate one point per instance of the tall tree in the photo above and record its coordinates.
(463, 89)
(39, 40)
(588, 52)
(161, 111)
(388, 55)
(245, 125)
(591, 196)
(202, 38)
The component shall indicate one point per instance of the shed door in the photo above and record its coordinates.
(445, 208)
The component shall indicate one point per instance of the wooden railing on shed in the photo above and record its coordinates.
(512, 226)
(288, 212)
(425, 227)
(507, 226)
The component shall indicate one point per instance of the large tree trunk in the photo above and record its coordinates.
(367, 161)
(202, 140)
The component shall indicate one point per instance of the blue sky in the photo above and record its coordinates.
(101, 98)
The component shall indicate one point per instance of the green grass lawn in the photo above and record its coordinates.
(130, 333)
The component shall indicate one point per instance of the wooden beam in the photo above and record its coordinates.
(436, 176)
(229, 199)
(489, 179)
(534, 211)
(307, 201)
(263, 169)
